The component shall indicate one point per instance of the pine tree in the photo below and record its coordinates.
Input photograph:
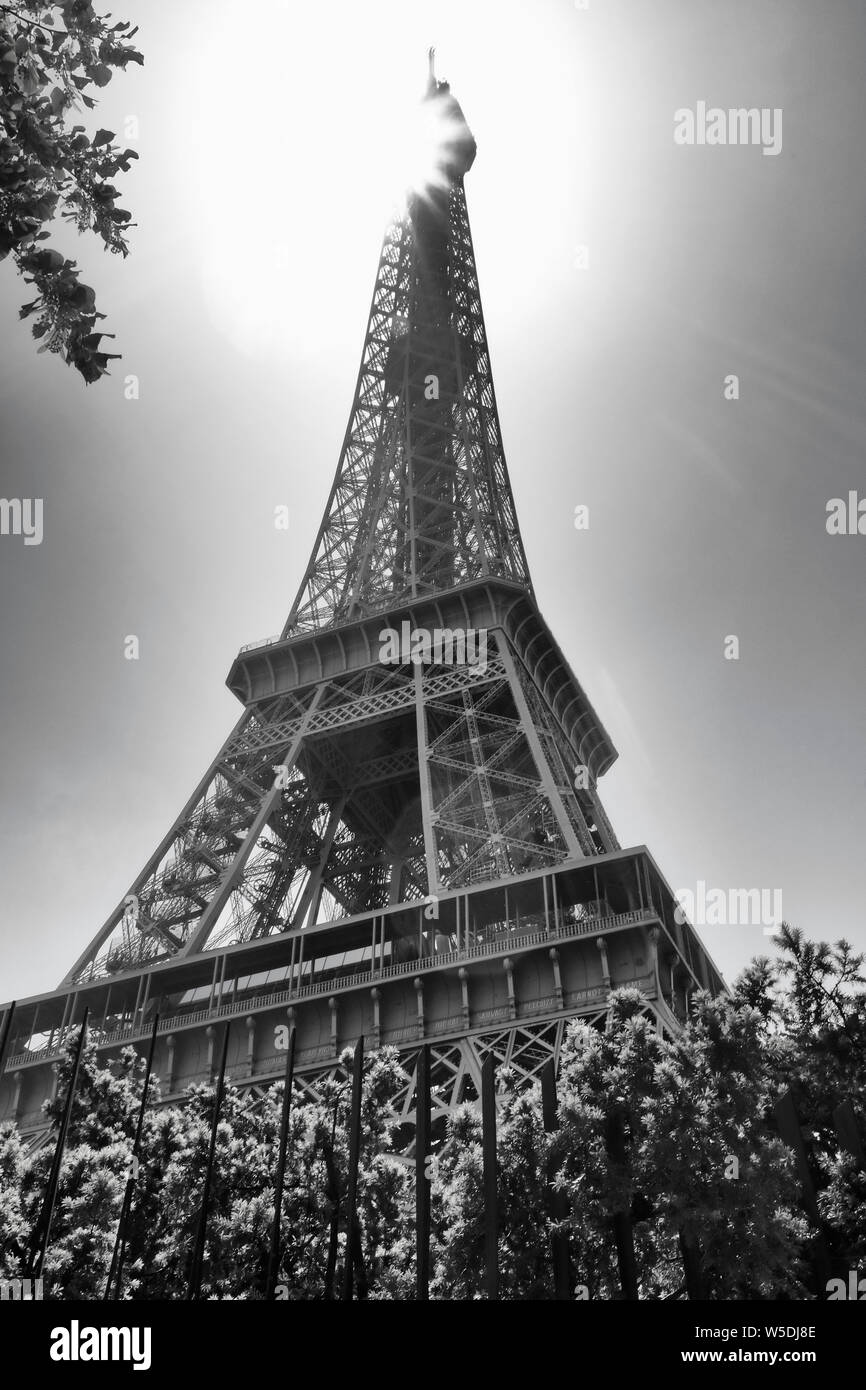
(14, 1226)
(722, 1179)
(813, 1008)
(93, 1173)
(609, 1080)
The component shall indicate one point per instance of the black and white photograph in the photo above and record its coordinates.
(492, 931)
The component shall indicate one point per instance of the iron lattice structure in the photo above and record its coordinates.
(406, 849)
(421, 501)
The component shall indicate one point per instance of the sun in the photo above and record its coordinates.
(303, 155)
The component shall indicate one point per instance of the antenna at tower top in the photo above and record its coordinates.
(434, 86)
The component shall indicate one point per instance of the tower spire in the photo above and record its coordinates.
(421, 499)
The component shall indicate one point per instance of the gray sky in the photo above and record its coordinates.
(260, 198)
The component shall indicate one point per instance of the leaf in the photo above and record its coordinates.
(26, 82)
(47, 260)
(101, 75)
(102, 137)
(83, 297)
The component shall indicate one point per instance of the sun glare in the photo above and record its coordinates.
(325, 153)
(303, 154)
(422, 140)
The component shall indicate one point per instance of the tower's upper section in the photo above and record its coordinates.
(453, 144)
(421, 502)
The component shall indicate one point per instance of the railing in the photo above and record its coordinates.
(262, 642)
(270, 1068)
(505, 943)
(327, 616)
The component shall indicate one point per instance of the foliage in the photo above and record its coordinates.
(812, 1004)
(677, 1134)
(724, 1181)
(52, 57)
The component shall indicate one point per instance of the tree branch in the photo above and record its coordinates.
(34, 23)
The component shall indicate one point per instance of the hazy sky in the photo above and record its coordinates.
(268, 143)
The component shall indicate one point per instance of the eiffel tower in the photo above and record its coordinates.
(402, 836)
